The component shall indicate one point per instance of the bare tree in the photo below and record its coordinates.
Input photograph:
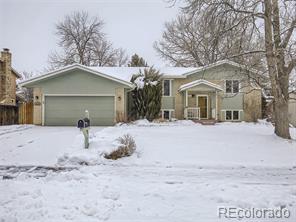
(82, 41)
(293, 82)
(57, 60)
(105, 55)
(121, 57)
(275, 21)
(27, 75)
(77, 33)
(27, 93)
(196, 40)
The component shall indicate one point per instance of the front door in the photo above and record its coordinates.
(202, 103)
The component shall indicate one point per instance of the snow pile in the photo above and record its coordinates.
(152, 83)
(77, 155)
(77, 159)
(145, 122)
(264, 122)
(142, 122)
(140, 82)
(101, 142)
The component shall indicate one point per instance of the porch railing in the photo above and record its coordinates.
(192, 113)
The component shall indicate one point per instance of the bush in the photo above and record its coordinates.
(147, 94)
(126, 148)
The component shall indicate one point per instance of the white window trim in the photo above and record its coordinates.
(170, 87)
(232, 120)
(170, 113)
(239, 86)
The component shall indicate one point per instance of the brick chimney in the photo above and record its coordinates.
(6, 58)
(7, 79)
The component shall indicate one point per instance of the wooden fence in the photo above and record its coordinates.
(21, 114)
(25, 113)
(8, 115)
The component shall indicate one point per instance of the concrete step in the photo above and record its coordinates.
(207, 122)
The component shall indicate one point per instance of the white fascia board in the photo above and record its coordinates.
(221, 62)
(69, 68)
(199, 82)
(173, 77)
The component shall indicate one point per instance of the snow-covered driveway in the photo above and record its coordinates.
(181, 172)
(35, 145)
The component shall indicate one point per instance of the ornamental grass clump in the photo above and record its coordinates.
(127, 147)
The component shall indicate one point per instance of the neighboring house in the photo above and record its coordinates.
(8, 78)
(220, 91)
(292, 109)
(8, 98)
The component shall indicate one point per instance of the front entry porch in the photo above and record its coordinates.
(200, 105)
(200, 100)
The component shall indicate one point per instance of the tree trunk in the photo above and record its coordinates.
(281, 118)
(275, 62)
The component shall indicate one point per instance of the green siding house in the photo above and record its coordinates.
(220, 92)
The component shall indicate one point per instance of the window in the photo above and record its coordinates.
(232, 115)
(232, 86)
(167, 87)
(235, 86)
(228, 115)
(235, 115)
(166, 114)
(228, 86)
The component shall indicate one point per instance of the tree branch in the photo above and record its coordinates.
(291, 66)
(289, 34)
(246, 53)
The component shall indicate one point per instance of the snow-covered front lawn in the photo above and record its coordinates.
(181, 171)
(181, 143)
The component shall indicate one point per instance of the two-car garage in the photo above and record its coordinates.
(61, 97)
(66, 110)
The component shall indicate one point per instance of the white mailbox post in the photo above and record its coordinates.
(84, 126)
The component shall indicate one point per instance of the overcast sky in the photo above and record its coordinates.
(28, 26)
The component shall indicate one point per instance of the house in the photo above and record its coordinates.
(8, 77)
(221, 91)
(292, 109)
(8, 98)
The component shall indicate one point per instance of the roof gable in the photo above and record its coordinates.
(220, 63)
(65, 69)
(198, 83)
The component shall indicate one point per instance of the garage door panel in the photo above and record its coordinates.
(66, 110)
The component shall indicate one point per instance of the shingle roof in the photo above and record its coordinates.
(124, 74)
